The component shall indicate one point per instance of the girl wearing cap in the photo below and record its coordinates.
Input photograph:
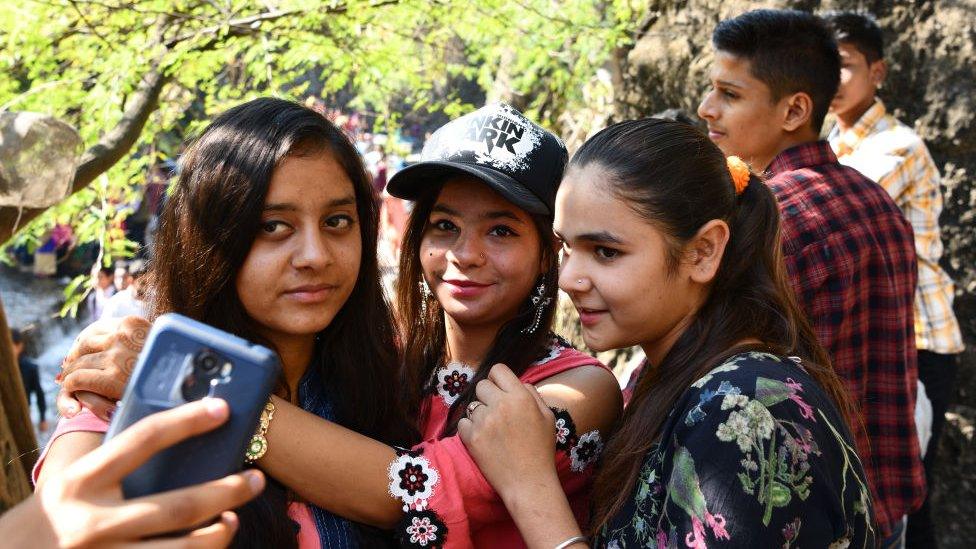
(737, 432)
(477, 286)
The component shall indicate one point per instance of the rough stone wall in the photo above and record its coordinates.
(930, 51)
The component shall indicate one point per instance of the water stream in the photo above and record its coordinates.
(32, 303)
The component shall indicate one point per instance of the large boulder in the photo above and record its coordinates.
(38, 158)
(930, 51)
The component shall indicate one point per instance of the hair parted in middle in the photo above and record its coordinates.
(206, 231)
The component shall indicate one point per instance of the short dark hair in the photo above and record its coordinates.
(788, 50)
(859, 30)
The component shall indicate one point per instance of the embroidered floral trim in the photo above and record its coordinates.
(565, 430)
(421, 529)
(586, 451)
(412, 480)
(452, 380)
(582, 450)
(556, 347)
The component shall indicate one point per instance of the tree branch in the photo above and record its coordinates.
(237, 27)
(143, 102)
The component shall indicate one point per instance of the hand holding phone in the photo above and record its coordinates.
(82, 506)
(185, 361)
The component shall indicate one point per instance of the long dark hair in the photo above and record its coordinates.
(676, 179)
(205, 234)
(423, 319)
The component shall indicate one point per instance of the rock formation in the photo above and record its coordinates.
(930, 51)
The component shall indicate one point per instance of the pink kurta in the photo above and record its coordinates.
(449, 503)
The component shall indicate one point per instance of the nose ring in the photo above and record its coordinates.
(579, 280)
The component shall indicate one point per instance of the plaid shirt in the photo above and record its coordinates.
(891, 154)
(851, 260)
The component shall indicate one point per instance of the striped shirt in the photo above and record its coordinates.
(891, 154)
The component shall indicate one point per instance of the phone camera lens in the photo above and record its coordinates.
(207, 362)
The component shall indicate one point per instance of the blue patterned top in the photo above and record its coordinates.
(754, 454)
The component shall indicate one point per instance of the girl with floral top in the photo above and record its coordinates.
(737, 432)
(477, 287)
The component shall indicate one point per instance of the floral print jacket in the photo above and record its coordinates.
(754, 454)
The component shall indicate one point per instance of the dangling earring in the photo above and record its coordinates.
(540, 302)
(424, 296)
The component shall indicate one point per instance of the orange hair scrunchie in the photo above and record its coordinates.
(740, 173)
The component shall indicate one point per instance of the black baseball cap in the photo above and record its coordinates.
(498, 145)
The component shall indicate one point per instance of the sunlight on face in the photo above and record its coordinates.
(614, 266)
(480, 253)
(743, 120)
(303, 264)
(857, 82)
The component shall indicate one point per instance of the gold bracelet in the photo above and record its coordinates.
(259, 443)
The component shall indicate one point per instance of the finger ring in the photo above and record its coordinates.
(473, 405)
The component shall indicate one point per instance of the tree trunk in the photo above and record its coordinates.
(17, 440)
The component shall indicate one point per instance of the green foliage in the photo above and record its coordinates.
(81, 60)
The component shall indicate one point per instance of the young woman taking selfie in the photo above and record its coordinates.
(270, 235)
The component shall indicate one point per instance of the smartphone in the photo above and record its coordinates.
(185, 360)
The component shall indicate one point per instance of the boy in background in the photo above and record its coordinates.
(31, 377)
(869, 139)
(848, 248)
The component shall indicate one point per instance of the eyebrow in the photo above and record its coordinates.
(498, 214)
(601, 237)
(730, 84)
(289, 207)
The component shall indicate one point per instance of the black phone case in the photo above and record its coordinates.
(170, 346)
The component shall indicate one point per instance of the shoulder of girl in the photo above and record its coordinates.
(748, 382)
(745, 367)
(588, 389)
